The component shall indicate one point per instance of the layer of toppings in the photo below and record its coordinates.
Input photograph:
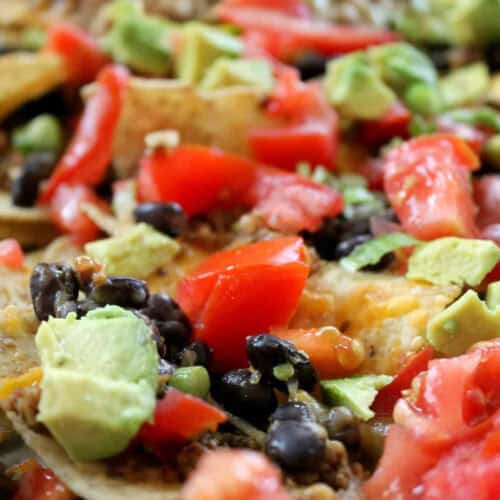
(273, 209)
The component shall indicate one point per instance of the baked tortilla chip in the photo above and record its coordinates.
(30, 226)
(25, 76)
(220, 118)
(92, 481)
(387, 313)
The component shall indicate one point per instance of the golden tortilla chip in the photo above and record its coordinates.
(220, 118)
(387, 313)
(30, 226)
(25, 76)
(92, 481)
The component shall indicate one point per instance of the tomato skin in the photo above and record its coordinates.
(427, 182)
(228, 296)
(394, 124)
(66, 214)
(330, 352)
(201, 179)
(198, 178)
(474, 137)
(452, 419)
(42, 484)
(312, 131)
(289, 35)
(11, 254)
(88, 156)
(388, 396)
(179, 416)
(81, 53)
(247, 475)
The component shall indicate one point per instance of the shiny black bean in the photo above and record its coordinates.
(121, 291)
(37, 167)
(343, 426)
(347, 246)
(310, 65)
(162, 307)
(168, 218)
(296, 445)
(293, 411)
(241, 394)
(51, 285)
(195, 354)
(267, 351)
(382, 264)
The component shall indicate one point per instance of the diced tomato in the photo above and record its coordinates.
(394, 124)
(88, 156)
(288, 35)
(400, 469)
(474, 137)
(198, 178)
(81, 53)
(296, 8)
(333, 354)
(42, 484)
(427, 182)
(311, 132)
(11, 254)
(389, 395)
(178, 417)
(201, 179)
(229, 296)
(230, 474)
(66, 212)
(452, 419)
(372, 170)
(313, 142)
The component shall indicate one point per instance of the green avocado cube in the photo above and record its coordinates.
(357, 393)
(138, 252)
(201, 46)
(458, 261)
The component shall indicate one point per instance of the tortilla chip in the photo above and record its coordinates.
(30, 226)
(90, 480)
(219, 118)
(25, 76)
(387, 313)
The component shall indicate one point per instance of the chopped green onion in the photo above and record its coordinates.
(484, 116)
(372, 251)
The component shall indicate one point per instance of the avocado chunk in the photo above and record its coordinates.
(138, 252)
(356, 89)
(467, 85)
(230, 72)
(402, 65)
(465, 322)
(42, 134)
(201, 46)
(458, 22)
(493, 295)
(452, 260)
(100, 375)
(357, 393)
(140, 41)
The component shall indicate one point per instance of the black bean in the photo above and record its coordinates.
(162, 307)
(36, 168)
(293, 411)
(382, 264)
(241, 394)
(296, 445)
(492, 56)
(121, 291)
(267, 351)
(310, 64)
(343, 426)
(84, 306)
(159, 340)
(347, 246)
(51, 285)
(168, 218)
(196, 353)
(440, 56)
